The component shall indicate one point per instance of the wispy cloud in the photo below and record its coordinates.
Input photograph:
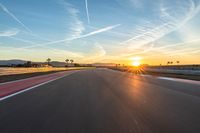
(166, 24)
(14, 17)
(79, 37)
(150, 33)
(184, 15)
(57, 52)
(87, 11)
(76, 25)
(9, 33)
(66, 53)
(176, 44)
(96, 53)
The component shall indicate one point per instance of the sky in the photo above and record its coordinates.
(107, 31)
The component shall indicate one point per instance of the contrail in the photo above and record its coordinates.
(87, 11)
(79, 37)
(20, 22)
(114, 32)
(101, 30)
(14, 17)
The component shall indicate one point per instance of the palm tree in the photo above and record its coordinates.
(71, 61)
(171, 62)
(177, 62)
(67, 60)
(48, 60)
(168, 62)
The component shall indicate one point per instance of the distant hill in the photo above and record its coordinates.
(21, 62)
(103, 64)
(10, 62)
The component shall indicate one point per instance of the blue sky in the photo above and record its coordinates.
(101, 30)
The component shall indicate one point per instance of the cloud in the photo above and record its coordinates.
(56, 52)
(65, 53)
(150, 33)
(87, 11)
(95, 54)
(42, 54)
(177, 44)
(79, 37)
(76, 25)
(14, 17)
(9, 33)
(182, 15)
(168, 22)
(97, 51)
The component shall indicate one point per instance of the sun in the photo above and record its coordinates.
(136, 63)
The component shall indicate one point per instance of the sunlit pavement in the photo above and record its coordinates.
(104, 101)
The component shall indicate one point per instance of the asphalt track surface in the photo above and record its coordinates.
(104, 101)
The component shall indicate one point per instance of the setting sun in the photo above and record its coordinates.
(136, 63)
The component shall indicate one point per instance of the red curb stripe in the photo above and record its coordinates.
(13, 87)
